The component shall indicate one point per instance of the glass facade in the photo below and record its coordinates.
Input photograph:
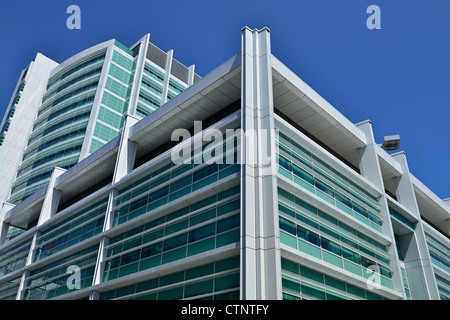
(161, 189)
(439, 253)
(443, 287)
(405, 283)
(58, 136)
(8, 290)
(150, 95)
(313, 232)
(314, 175)
(203, 226)
(15, 257)
(81, 226)
(52, 280)
(213, 281)
(12, 263)
(200, 227)
(302, 283)
(401, 219)
(116, 96)
(59, 129)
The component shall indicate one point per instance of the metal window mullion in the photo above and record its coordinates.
(104, 242)
(26, 272)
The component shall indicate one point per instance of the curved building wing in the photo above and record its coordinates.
(86, 101)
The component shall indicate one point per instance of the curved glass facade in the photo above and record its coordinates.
(85, 105)
(116, 97)
(60, 127)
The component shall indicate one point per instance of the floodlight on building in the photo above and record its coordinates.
(391, 142)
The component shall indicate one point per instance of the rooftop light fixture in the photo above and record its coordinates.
(391, 143)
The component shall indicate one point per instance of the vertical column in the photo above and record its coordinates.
(104, 242)
(190, 80)
(417, 258)
(127, 151)
(23, 280)
(84, 153)
(370, 169)
(165, 89)
(51, 199)
(260, 246)
(135, 87)
(447, 202)
(124, 165)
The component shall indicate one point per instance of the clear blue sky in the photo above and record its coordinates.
(398, 76)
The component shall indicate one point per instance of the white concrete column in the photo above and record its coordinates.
(190, 81)
(260, 245)
(369, 166)
(94, 295)
(447, 202)
(417, 258)
(124, 165)
(100, 265)
(127, 151)
(23, 280)
(140, 63)
(90, 129)
(104, 242)
(109, 215)
(165, 89)
(51, 199)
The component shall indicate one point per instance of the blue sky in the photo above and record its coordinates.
(398, 76)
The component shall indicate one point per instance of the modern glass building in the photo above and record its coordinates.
(278, 196)
(84, 102)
